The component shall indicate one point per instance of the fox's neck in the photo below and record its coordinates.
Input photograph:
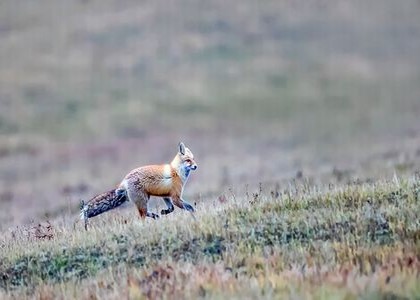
(182, 172)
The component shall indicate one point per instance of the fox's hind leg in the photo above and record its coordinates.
(169, 205)
(142, 208)
(141, 199)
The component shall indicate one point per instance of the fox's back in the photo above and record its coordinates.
(155, 180)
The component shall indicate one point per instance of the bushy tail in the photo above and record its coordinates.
(102, 203)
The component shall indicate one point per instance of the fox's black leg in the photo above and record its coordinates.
(169, 205)
(178, 201)
(187, 206)
(181, 203)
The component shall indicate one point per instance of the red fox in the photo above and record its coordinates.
(138, 185)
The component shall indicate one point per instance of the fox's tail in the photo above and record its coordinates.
(102, 203)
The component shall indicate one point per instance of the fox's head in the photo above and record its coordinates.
(184, 160)
(187, 157)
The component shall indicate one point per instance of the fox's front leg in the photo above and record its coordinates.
(178, 201)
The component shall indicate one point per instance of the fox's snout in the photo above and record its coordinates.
(194, 167)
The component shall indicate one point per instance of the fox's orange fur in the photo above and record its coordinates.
(138, 185)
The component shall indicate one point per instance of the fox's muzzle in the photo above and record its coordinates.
(194, 167)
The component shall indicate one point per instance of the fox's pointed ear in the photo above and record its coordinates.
(181, 148)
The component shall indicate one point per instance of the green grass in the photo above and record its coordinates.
(306, 232)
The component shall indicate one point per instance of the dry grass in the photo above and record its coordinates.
(91, 89)
(343, 241)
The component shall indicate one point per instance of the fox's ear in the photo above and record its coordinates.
(181, 148)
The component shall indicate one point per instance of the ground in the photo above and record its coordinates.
(303, 118)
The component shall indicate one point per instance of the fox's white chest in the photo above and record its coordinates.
(167, 175)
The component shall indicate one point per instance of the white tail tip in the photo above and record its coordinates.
(83, 211)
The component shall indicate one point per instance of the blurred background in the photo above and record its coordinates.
(261, 91)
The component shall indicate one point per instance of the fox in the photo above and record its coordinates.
(166, 181)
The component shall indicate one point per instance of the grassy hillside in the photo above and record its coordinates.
(91, 89)
(324, 242)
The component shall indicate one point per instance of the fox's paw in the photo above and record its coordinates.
(188, 207)
(166, 211)
(152, 215)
